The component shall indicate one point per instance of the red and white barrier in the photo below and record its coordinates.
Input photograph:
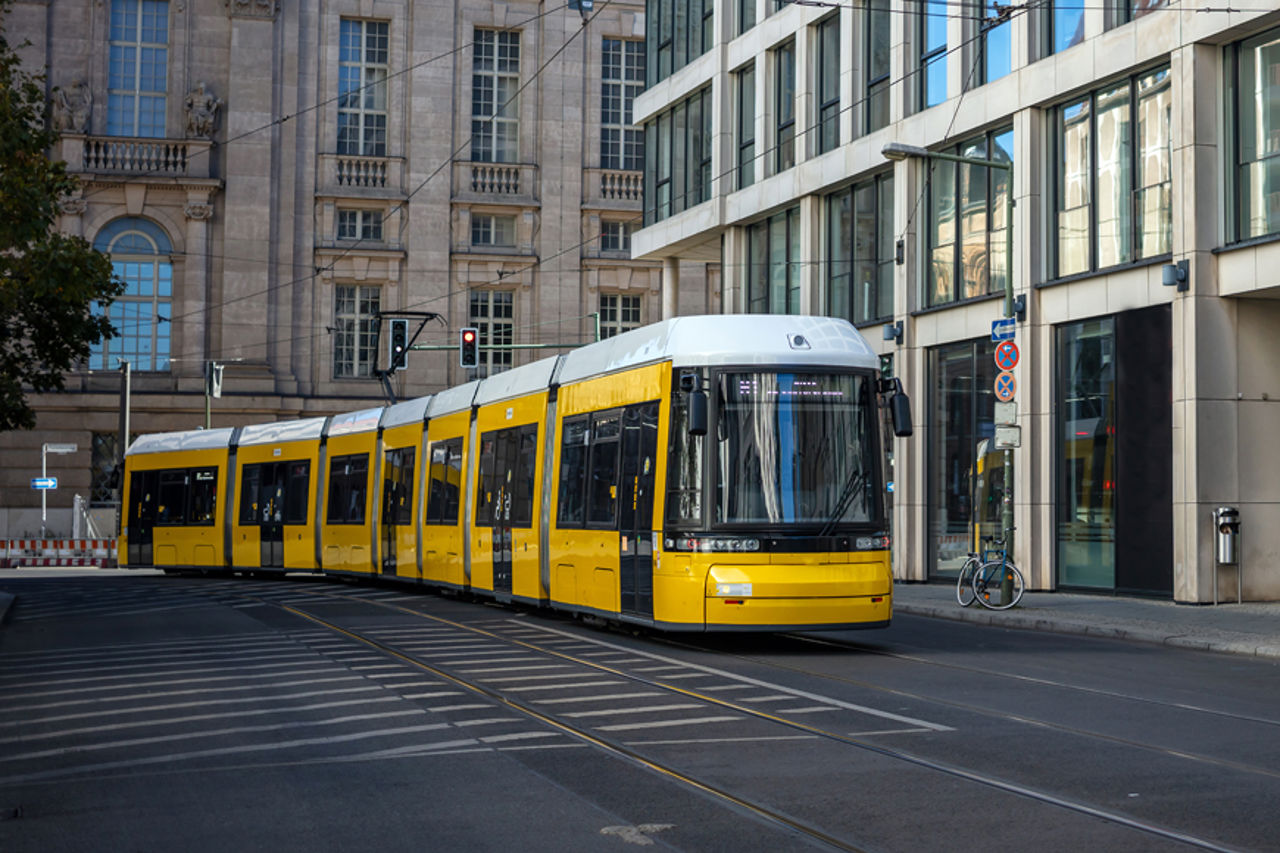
(19, 553)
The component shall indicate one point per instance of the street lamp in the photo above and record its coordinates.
(45, 450)
(901, 151)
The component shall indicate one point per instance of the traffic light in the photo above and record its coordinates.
(469, 347)
(398, 345)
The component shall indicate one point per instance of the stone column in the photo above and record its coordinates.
(670, 287)
(195, 285)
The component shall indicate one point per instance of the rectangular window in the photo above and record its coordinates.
(491, 312)
(141, 313)
(495, 104)
(997, 42)
(1113, 189)
(104, 459)
(1256, 161)
(488, 229)
(875, 50)
(397, 486)
(363, 60)
(296, 491)
(829, 84)
(678, 152)
(359, 225)
(1066, 25)
(355, 335)
(348, 489)
(676, 33)
(202, 504)
(968, 215)
(861, 252)
(1131, 10)
(684, 464)
(602, 486)
(506, 485)
(773, 268)
(746, 15)
(618, 314)
(445, 488)
(171, 497)
(616, 236)
(746, 126)
(933, 53)
(137, 68)
(571, 505)
(784, 107)
(622, 78)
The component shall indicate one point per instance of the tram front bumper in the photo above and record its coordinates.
(832, 595)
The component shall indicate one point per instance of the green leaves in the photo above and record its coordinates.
(49, 282)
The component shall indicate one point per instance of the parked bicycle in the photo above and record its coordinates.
(997, 584)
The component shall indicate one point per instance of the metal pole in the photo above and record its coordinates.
(123, 441)
(1006, 515)
(44, 473)
(208, 393)
(595, 315)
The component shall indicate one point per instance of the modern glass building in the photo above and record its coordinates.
(1141, 142)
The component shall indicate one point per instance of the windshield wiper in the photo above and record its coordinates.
(856, 483)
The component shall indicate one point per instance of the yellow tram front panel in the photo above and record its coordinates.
(403, 537)
(586, 561)
(503, 505)
(744, 590)
(299, 533)
(347, 536)
(443, 536)
(181, 510)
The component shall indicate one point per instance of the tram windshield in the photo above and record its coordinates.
(795, 448)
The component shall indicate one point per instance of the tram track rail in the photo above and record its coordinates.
(616, 746)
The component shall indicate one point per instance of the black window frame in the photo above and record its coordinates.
(343, 485)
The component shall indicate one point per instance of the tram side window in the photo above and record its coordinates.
(249, 494)
(203, 505)
(684, 467)
(602, 490)
(445, 490)
(507, 464)
(348, 487)
(526, 465)
(297, 492)
(171, 497)
(572, 510)
(486, 491)
(397, 493)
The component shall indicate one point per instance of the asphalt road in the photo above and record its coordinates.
(142, 712)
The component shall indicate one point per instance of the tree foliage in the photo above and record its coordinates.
(49, 282)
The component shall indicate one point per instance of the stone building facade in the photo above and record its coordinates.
(1142, 140)
(269, 176)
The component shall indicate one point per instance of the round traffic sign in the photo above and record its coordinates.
(1006, 355)
(1005, 386)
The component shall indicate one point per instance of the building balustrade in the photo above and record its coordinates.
(349, 174)
(615, 185)
(498, 181)
(141, 157)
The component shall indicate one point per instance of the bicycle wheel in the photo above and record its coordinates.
(964, 583)
(989, 585)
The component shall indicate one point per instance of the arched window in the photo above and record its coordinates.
(140, 256)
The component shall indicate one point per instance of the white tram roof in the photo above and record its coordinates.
(192, 439)
(278, 433)
(405, 412)
(517, 382)
(456, 399)
(725, 339)
(365, 420)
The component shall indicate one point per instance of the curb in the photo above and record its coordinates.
(1223, 642)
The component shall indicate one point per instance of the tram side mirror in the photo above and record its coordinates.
(899, 406)
(697, 412)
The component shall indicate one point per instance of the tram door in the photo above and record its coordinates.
(506, 450)
(397, 502)
(271, 487)
(635, 498)
(142, 515)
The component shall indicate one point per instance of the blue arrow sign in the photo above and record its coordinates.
(1004, 330)
(44, 482)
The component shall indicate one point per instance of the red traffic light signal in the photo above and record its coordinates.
(469, 347)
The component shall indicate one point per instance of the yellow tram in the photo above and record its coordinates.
(703, 473)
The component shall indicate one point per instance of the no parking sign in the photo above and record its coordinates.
(1007, 355)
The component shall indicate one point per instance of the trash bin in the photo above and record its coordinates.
(1226, 524)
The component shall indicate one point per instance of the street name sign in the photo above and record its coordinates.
(1005, 329)
(44, 482)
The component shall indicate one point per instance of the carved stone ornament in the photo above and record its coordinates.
(202, 112)
(71, 107)
(74, 206)
(198, 210)
(252, 8)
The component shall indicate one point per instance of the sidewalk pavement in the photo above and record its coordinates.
(1252, 628)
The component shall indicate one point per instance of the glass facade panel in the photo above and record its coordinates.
(1066, 25)
(876, 49)
(1258, 136)
(676, 33)
(773, 264)
(829, 84)
(1086, 457)
(860, 251)
(1155, 156)
(1074, 172)
(679, 155)
(966, 472)
(784, 107)
(997, 45)
(1114, 179)
(746, 126)
(933, 53)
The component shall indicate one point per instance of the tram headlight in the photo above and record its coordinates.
(733, 590)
